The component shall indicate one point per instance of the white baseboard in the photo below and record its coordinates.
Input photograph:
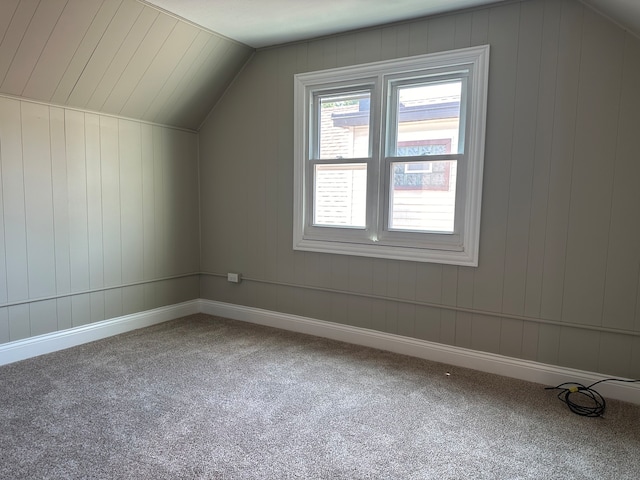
(541, 373)
(51, 342)
(487, 362)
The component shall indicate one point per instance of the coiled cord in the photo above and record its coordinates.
(595, 403)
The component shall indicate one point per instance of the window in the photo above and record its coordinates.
(389, 158)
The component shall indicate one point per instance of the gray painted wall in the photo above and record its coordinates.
(97, 214)
(559, 274)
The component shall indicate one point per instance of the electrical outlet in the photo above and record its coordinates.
(233, 277)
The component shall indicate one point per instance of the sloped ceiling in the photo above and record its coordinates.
(134, 59)
(114, 56)
(261, 23)
(624, 12)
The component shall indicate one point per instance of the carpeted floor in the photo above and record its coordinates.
(210, 398)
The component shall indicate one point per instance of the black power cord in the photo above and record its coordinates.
(592, 405)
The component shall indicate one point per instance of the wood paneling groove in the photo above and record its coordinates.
(33, 42)
(144, 54)
(637, 309)
(368, 45)
(118, 57)
(462, 30)
(388, 43)
(19, 326)
(133, 59)
(597, 118)
(63, 310)
(111, 207)
(94, 201)
(14, 34)
(503, 38)
(530, 340)
(183, 86)
(155, 76)
(69, 254)
(83, 52)
(43, 317)
(96, 305)
(557, 234)
(148, 202)
(429, 282)
(211, 83)
(121, 59)
(542, 157)
(104, 54)
(345, 53)
(561, 159)
(60, 204)
(612, 348)
(4, 325)
(3, 257)
(61, 297)
(10, 7)
(172, 80)
(441, 34)
(77, 199)
(418, 37)
(622, 279)
(159, 153)
(15, 226)
(80, 310)
(522, 157)
(131, 221)
(38, 194)
(60, 48)
(394, 300)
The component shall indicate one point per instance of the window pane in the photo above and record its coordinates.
(423, 196)
(344, 125)
(427, 119)
(340, 196)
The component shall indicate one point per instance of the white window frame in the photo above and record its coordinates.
(458, 248)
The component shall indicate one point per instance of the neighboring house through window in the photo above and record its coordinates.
(389, 158)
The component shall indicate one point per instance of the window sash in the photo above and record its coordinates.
(376, 239)
(423, 239)
(315, 140)
(393, 86)
(326, 232)
(379, 177)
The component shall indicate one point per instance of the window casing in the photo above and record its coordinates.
(389, 158)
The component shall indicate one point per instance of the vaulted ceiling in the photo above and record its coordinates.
(169, 61)
(268, 22)
(120, 57)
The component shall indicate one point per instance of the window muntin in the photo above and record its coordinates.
(424, 120)
(405, 180)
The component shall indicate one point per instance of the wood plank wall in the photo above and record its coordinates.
(120, 57)
(94, 212)
(559, 274)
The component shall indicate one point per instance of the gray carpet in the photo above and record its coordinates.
(209, 398)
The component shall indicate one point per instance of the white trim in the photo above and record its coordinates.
(375, 240)
(409, 254)
(548, 375)
(52, 342)
(97, 290)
